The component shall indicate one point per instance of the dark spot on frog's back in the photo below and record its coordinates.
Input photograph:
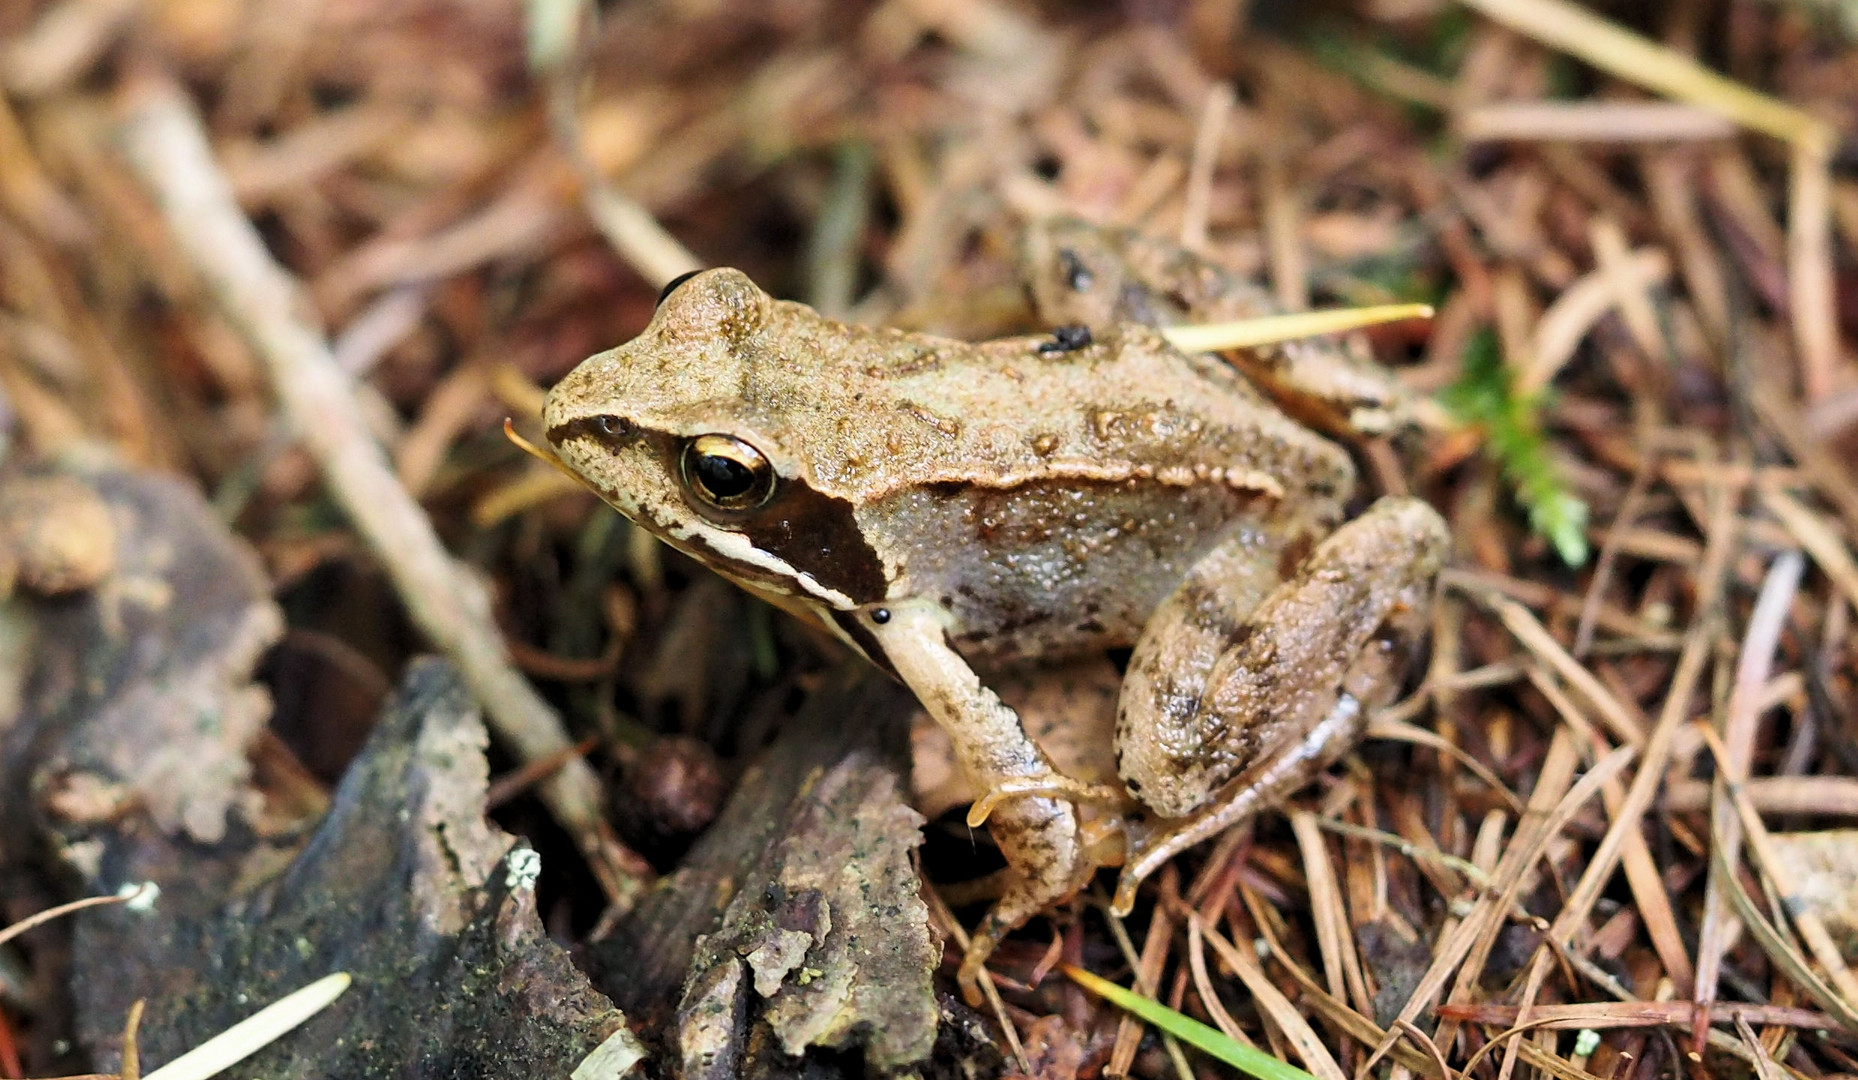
(1065, 339)
(1290, 560)
(818, 534)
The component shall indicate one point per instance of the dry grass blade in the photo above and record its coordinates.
(1779, 950)
(556, 42)
(1472, 872)
(1627, 1014)
(1337, 1014)
(1560, 330)
(1277, 1008)
(1207, 139)
(1751, 674)
(1147, 967)
(131, 1068)
(1819, 541)
(945, 919)
(1589, 121)
(1766, 1068)
(1828, 474)
(1642, 876)
(1532, 634)
(1811, 275)
(1382, 728)
(1825, 950)
(1334, 943)
(1819, 796)
(254, 1033)
(1628, 817)
(1628, 56)
(1203, 983)
(1550, 807)
(1508, 1041)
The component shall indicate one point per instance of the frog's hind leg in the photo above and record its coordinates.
(1290, 684)
(1249, 793)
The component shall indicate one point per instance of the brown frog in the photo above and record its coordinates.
(947, 507)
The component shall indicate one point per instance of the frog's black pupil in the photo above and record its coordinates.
(1076, 274)
(671, 286)
(723, 477)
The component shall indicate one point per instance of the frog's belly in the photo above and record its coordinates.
(1052, 570)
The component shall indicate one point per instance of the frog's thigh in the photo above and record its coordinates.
(1342, 624)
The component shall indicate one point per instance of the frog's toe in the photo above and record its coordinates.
(1126, 884)
(973, 968)
(1055, 786)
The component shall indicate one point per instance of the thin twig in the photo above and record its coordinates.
(630, 228)
(168, 148)
(41, 918)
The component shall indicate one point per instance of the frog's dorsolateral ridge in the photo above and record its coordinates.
(945, 506)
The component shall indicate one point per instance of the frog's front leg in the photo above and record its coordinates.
(1291, 683)
(1046, 855)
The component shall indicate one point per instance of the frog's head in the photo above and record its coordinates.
(672, 430)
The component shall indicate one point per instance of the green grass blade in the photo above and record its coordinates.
(1188, 1030)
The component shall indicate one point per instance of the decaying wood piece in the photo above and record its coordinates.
(128, 756)
(138, 698)
(403, 884)
(796, 922)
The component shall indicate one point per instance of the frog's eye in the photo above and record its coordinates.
(726, 473)
(671, 286)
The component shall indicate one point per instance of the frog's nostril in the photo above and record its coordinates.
(605, 427)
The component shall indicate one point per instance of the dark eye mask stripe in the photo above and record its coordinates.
(815, 533)
(818, 535)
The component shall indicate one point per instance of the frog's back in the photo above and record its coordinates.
(1049, 499)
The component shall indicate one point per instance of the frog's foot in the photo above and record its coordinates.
(1252, 791)
(1047, 861)
(1051, 786)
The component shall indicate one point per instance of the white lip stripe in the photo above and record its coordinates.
(708, 546)
(736, 548)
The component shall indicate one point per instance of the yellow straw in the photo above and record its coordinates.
(1250, 333)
